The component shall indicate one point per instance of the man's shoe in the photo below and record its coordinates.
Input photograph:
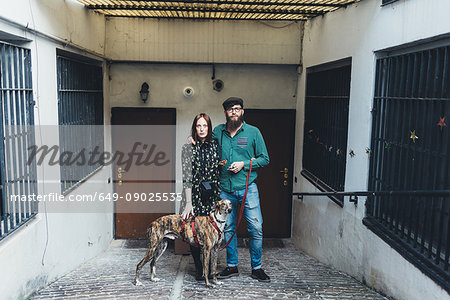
(228, 272)
(260, 275)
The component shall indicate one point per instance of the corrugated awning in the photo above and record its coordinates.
(282, 10)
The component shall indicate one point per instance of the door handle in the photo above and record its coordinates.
(285, 170)
(285, 176)
(120, 171)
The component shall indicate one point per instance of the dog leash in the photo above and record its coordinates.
(242, 206)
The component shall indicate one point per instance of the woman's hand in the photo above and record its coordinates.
(190, 140)
(188, 211)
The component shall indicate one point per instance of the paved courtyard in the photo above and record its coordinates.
(294, 275)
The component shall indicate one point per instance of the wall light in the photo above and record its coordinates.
(144, 92)
(218, 85)
(188, 92)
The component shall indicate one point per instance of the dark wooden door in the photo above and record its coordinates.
(275, 180)
(137, 184)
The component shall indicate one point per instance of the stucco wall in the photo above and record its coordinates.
(64, 20)
(52, 244)
(322, 229)
(140, 39)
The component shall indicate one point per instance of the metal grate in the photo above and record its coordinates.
(18, 178)
(410, 151)
(80, 111)
(283, 10)
(326, 126)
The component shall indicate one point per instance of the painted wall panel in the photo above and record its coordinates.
(67, 21)
(139, 39)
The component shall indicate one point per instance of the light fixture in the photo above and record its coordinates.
(144, 92)
(218, 85)
(188, 92)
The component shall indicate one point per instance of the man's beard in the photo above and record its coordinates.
(233, 125)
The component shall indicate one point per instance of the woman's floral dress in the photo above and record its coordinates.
(201, 163)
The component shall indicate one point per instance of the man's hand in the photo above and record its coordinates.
(188, 211)
(236, 166)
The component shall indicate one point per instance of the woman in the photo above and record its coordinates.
(200, 172)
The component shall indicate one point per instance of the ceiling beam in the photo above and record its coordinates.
(209, 9)
(246, 3)
(289, 18)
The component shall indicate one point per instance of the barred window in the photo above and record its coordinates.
(410, 152)
(80, 112)
(18, 177)
(326, 126)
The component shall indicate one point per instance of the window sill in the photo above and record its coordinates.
(323, 187)
(83, 180)
(384, 3)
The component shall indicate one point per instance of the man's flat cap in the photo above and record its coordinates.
(232, 101)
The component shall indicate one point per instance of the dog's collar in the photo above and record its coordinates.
(217, 220)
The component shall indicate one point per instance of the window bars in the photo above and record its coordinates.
(410, 151)
(18, 177)
(326, 126)
(80, 111)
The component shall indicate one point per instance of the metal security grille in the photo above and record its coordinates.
(18, 178)
(80, 111)
(326, 126)
(410, 151)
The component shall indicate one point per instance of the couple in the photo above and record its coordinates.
(222, 157)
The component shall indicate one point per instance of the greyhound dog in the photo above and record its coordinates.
(202, 231)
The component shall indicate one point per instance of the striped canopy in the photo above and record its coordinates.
(283, 10)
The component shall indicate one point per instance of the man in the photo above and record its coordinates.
(240, 143)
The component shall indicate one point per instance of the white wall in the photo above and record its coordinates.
(219, 41)
(261, 86)
(65, 20)
(322, 229)
(52, 244)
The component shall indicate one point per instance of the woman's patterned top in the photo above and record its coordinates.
(201, 163)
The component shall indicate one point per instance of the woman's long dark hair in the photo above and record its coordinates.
(194, 127)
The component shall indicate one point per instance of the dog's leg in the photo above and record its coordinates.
(141, 264)
(206, 257)
(214, 255)
(159, 251)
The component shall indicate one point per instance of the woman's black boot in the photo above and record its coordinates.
(195, 251)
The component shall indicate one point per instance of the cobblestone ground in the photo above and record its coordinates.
(294, 275)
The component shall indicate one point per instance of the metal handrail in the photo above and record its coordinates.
(354, 195)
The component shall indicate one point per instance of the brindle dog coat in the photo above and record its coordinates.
(171, 226)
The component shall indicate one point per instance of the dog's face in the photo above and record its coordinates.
(224, 207)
